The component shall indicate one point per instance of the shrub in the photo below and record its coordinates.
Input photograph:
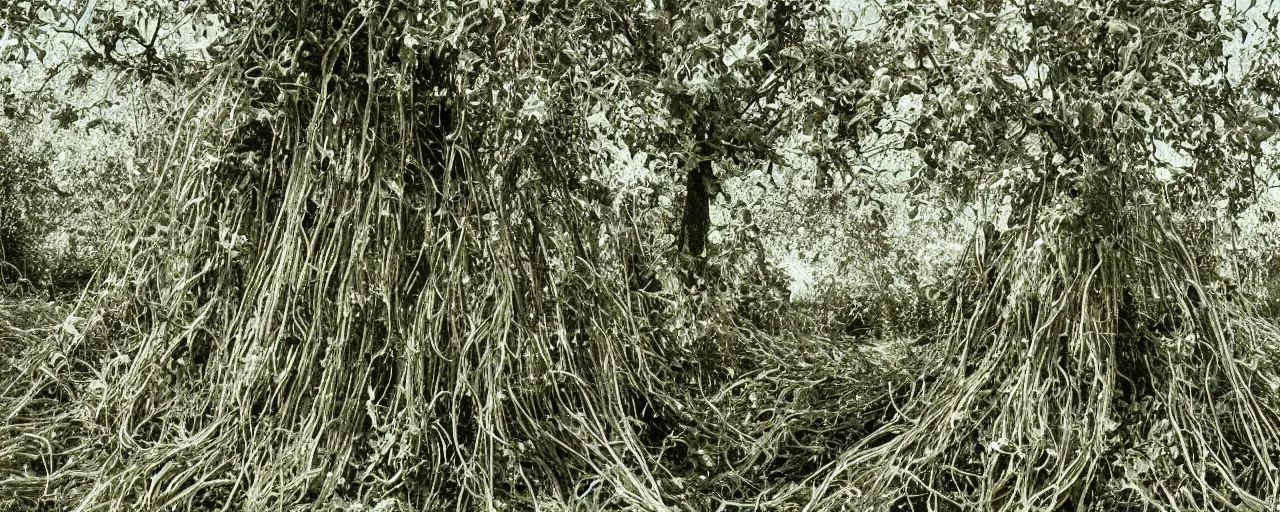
(23, 217)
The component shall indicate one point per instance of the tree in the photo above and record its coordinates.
(1098, 365)
(373, 263)
(721, 84)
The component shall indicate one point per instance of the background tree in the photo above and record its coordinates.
(70, 128)
(712, 89)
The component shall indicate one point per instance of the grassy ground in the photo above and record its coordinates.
(748, 419)
(752, 411)
(26, 456)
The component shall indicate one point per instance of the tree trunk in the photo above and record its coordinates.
(697, 217)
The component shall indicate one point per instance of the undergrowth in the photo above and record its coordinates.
(1090, 374)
